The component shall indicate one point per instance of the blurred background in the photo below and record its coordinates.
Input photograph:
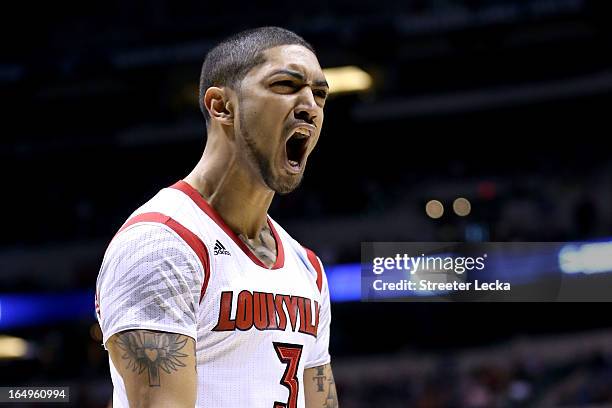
(503, 104)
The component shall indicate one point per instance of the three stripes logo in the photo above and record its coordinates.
(220, 249)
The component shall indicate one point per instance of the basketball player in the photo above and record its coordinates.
(202, 298)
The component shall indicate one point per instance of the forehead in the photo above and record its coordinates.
(291, 57)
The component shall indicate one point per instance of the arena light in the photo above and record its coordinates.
(344, 281)
(33, 309)
(434, 209)
(586, 258)
(462, 207)
(12, 347)
(347, 79)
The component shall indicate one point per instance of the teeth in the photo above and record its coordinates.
(293, 163)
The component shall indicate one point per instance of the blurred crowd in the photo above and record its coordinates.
(577, 374)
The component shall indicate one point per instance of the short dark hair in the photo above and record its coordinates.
(228, 62)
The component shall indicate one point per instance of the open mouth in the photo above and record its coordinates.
(296, 147)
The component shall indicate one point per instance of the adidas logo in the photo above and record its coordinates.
(220, 249)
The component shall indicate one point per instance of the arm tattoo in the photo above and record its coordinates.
(320, 378)
(146, 350)
(331, 401)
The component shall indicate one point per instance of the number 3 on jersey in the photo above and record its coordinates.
(290, 355)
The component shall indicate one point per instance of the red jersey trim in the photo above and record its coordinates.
(214, 215)
(317, 265)
(189, 237)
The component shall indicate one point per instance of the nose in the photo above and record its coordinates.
(307, 108)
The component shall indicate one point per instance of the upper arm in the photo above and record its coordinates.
(158, 368)
(150, 279)
(148, 291)
(319, 384)
(320, 387)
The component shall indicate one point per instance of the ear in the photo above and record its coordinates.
(218, 105)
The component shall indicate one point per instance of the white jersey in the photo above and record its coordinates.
(175, 266)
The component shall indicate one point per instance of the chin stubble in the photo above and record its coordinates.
(265, 166)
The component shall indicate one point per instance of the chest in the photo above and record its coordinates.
(243, 296)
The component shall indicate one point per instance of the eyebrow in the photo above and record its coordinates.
(299, 76)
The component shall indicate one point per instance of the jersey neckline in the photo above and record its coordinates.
(197, 198)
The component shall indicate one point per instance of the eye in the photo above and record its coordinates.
(320, 94)
(285, 85)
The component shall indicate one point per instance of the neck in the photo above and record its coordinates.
(229, 188)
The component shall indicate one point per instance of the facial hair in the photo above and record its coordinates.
(265, 165)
